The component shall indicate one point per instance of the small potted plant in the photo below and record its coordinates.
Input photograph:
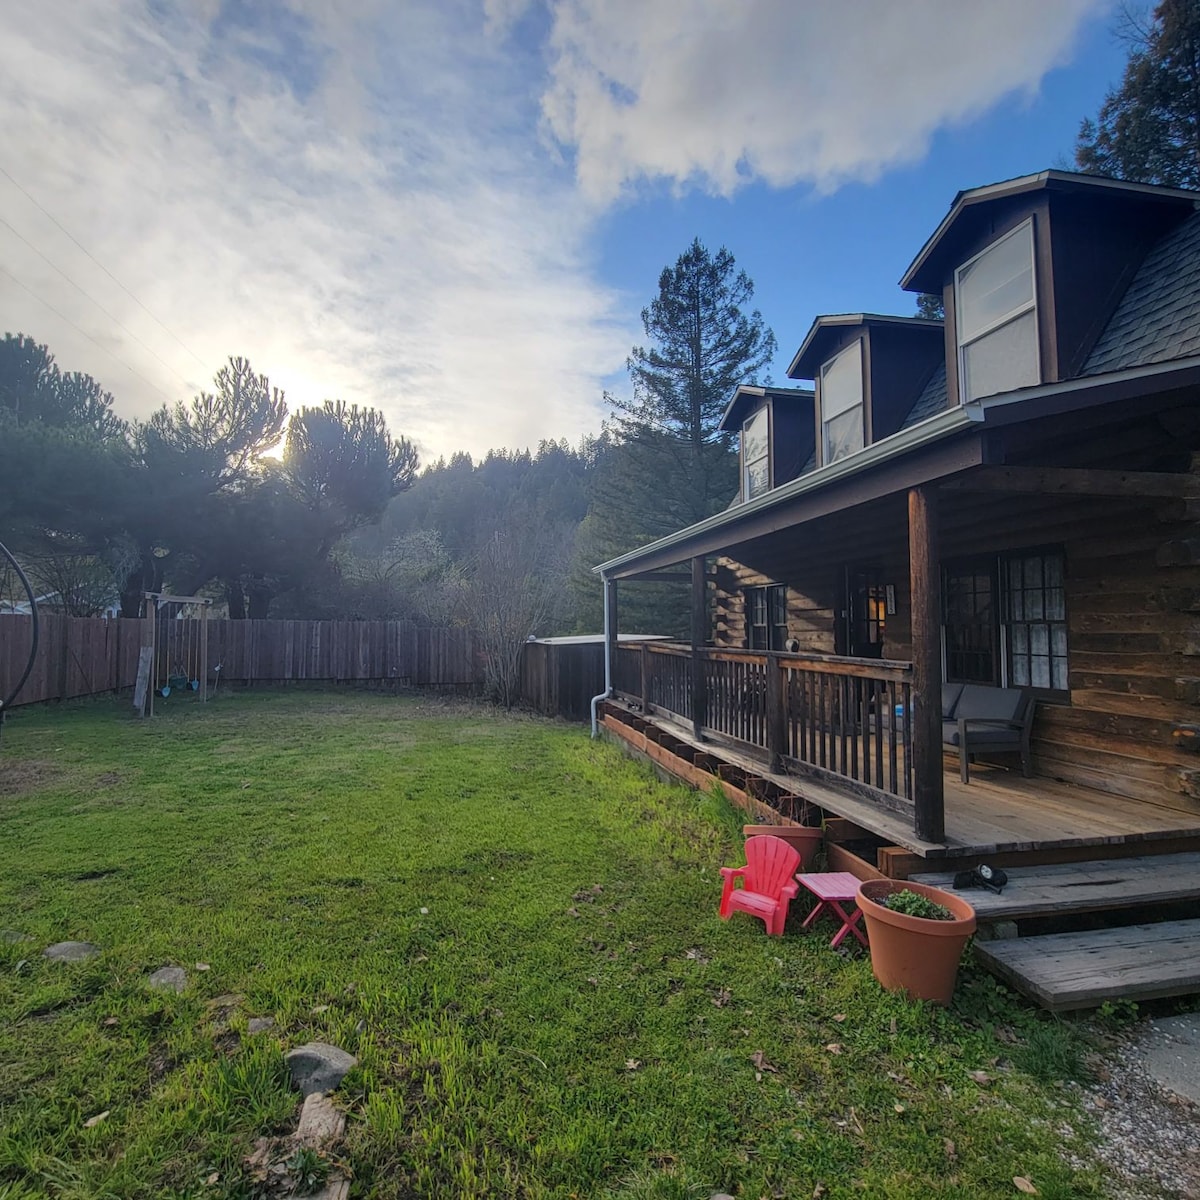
(917, 935)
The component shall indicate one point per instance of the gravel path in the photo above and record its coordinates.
(1150, 1137)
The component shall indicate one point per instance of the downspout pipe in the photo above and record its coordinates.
(608, 651)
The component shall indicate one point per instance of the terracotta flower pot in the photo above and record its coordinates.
(914, 954)
(805, 839)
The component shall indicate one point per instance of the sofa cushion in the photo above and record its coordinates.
(950, 695)
(989, 703)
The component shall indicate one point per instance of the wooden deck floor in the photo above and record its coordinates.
(998, 812)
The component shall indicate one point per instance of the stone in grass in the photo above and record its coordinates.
(260, 1024)
(70, 952)
(168, 979)
(318, 1067)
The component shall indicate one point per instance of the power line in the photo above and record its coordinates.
(50, 216)
(84, 332)
(78, 287)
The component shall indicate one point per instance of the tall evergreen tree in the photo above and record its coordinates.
(666, 463)
(1148, 129)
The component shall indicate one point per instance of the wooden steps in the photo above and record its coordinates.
(1064, 971)
(1081, 887)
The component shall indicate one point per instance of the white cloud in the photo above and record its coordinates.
(362, 200)
(356, 202)
(717, 93)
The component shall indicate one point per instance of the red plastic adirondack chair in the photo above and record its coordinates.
(768, 882)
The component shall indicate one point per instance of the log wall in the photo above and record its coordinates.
(1132, 723)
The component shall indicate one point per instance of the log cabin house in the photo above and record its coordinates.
(1008, 498)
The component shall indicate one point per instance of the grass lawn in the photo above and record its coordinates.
(513, 928)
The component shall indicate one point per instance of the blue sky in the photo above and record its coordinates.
(454, 210)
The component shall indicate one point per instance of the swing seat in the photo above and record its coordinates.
(768, 883)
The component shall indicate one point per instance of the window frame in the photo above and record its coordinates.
(997, 567)
(1031, 306)
(773, 599)
(747, 493)
(861, 406)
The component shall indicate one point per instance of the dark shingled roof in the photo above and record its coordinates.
(931, 401)
(1159, 316)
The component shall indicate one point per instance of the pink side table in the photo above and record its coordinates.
(834, 890)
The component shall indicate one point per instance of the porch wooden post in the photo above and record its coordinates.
(699, 637)
(612, 634)
(926, 715)
(776, 724)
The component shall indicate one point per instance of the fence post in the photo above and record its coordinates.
(647, 708)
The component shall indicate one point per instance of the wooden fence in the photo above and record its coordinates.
(81, 656)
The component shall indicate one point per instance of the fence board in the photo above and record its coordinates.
(85, 656)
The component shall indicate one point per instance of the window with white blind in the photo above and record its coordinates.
(842, 404)
(996, 318)
(756, 454)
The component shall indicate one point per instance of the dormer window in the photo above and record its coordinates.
(996, 316)
(842, 404)
(756, 454)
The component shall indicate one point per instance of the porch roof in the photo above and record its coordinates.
(944, 444)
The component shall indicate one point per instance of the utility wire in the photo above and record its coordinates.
(50, 216)
(79, 329)
(87, 295)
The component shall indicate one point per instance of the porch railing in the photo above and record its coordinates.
(843, 719)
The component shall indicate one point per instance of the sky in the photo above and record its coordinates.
(455, 210)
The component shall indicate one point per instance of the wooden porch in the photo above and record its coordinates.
(833, 731)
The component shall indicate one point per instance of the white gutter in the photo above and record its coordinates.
(607, 659)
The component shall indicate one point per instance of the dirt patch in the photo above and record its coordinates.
(109, 779)
(27, 775)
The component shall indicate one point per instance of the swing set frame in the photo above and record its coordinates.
(153, 647)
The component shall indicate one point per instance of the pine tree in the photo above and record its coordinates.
(1148, 129)
(666, 464)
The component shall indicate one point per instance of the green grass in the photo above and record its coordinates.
(569, 1017)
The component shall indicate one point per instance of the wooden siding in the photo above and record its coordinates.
(87, 656)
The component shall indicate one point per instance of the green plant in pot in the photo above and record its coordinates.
(917, 935)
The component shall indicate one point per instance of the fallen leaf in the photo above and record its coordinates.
(839, 1017)
(981, 1077)
(111, 1021)
(820, 1190)
(597, 889)
(203, 967)
(213, 1179)
(950, 1149)
(834, 1047)
(696, 955)
(632, 1064)
(421, 958)
(320, 1008)
(1024, 1185)
(593, 981)
(898, 1107)
(894, 1026)
(424, 912)
(92, 1122)
(572, 912)
(758, 1077)
(723, 997)
(761, 1063)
